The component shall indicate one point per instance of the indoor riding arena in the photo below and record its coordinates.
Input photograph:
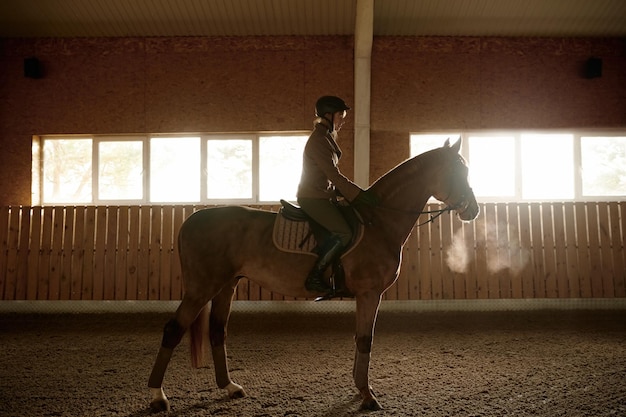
(488, 277)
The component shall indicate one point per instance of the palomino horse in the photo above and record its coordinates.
(218, 246)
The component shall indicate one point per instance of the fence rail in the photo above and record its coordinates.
(513, 250)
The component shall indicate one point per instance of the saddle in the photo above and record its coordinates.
(293, 212)
(295, 232)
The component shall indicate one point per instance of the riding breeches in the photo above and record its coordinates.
(329, 216)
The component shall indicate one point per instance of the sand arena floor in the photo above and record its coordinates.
(541, 363)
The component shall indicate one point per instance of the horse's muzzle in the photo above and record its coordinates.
(468, 210)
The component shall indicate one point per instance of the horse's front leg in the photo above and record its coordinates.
(366, 312)
(220, 313)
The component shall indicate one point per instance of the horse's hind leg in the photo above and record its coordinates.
(172, 335)
(218, 322)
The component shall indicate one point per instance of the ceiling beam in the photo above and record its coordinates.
(363, 38)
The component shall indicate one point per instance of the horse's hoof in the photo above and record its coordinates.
(371, 404)
(235, 390)
(157, 406)
(237, 394)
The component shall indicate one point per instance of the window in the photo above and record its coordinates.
(539, 166)
(547, 166)
(247, 168)
(481, 153)
(120, 166)
(229, 169)
(67, 173)
(280, 175)
(603, 165)
(174, 169)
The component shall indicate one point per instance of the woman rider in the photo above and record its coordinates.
(322, 182)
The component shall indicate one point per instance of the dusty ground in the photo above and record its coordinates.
(424, 364)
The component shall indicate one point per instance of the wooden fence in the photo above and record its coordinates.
(514, 250)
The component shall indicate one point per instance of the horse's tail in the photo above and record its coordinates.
(198, 335)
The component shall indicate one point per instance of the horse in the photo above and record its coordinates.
(220, 245)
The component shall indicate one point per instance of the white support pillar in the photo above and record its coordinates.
(363, 38)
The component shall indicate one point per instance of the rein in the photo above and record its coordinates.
(434, 213)
(437, 213)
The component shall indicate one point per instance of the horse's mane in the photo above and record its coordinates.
(406, 172)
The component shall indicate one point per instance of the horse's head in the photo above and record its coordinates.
(453, 187)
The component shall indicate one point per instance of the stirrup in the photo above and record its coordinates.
(327, 296)
(328, 290)
(335, 293)
(321, 287)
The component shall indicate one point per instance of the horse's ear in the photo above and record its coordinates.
(457, 145)
(446, 144)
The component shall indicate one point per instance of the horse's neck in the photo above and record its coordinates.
(404, 192)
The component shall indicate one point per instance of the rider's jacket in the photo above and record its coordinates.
(321, 177)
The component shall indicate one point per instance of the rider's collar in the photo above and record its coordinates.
(324, 122)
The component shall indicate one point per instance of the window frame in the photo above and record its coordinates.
(38, 144)
(577, 134)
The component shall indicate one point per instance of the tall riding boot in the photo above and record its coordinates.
(315, 281)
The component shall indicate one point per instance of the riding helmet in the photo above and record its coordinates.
(329, 104)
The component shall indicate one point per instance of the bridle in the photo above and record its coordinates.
(463, 202)
(434, 214)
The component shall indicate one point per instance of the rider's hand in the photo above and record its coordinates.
(366, 198)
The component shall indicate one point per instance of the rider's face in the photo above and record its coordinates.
(339, 119)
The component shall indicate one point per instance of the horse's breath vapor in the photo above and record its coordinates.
(461, 253)
(457, 255)
(513, 257)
